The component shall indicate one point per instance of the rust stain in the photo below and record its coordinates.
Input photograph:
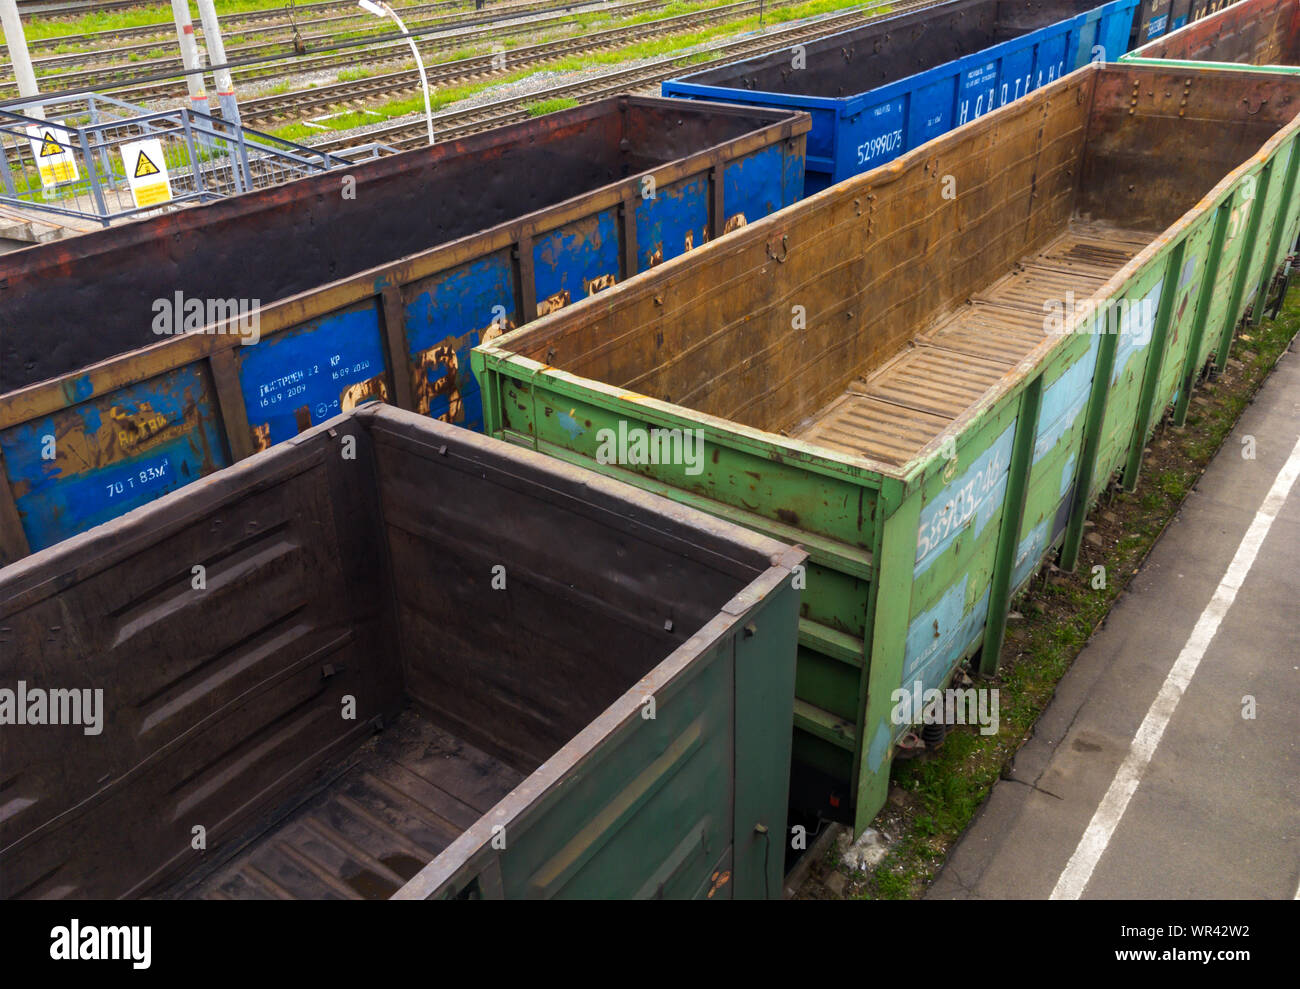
(553, 302)
(599, 283)
(717, 881)
(261, 437)
(425, 390)
(735, 223)
(375, 388)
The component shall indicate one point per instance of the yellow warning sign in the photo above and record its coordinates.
(54, 157)
(146, 173)
(143, 166)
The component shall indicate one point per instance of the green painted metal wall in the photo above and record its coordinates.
(912, 570)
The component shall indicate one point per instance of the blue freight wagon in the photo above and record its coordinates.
(1156, 18)
(137, 359)
(883, 89)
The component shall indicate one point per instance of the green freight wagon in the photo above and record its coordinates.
(393, 658)
(925, 375)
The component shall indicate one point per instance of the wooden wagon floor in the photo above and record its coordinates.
(894, 412)
(410, 792)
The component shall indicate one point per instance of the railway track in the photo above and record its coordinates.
(477, 67)
(105, 79)
(111, 48)
(378, 54)
(53, 9)
(462, 123)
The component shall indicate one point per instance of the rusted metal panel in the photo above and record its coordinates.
(339, 661)
(1159, 17)
(1252, 32)
(877, 91)
(105, 456)
(339, 290)
(939, 379)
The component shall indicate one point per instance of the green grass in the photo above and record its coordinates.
(37, 27)
(1059, 615)
(550, 106)
(652, 48)
(351, 75)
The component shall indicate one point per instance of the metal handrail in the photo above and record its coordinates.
(206, 157)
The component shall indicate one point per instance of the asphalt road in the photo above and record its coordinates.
(1143, 777)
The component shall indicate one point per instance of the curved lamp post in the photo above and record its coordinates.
(381, 9)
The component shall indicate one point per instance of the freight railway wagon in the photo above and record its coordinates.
(1264, 33)
(1157, 17)
(926, 375)
(396, 658)
(879, 90)
(308, 299)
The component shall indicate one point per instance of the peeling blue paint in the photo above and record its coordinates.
(570, 259)
(569, 424)
(879, 746)
(303, 376)
(1064, 400)
(123, 451)
(1067, 475)
(1029, 552)
(939, 637)
(449, 315)
(1137, 322)
(678, 214)
(754, 186)
(969, 499)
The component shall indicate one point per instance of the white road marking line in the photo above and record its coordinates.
(1078, 871)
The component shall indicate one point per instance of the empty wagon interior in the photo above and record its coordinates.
(100, 291)
(1253, 32)
(483, 612)
(855, 61)
(886, 309)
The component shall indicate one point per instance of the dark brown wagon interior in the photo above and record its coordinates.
(916, 305)
(328, 578)
(893, 48)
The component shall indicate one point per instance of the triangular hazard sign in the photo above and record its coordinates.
(49, 146)
(143, 166)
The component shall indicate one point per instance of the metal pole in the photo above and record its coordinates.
(217, 56)
(221, 78)
(189, 55)
(17, 42)
(96, 193)
(381, 9)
